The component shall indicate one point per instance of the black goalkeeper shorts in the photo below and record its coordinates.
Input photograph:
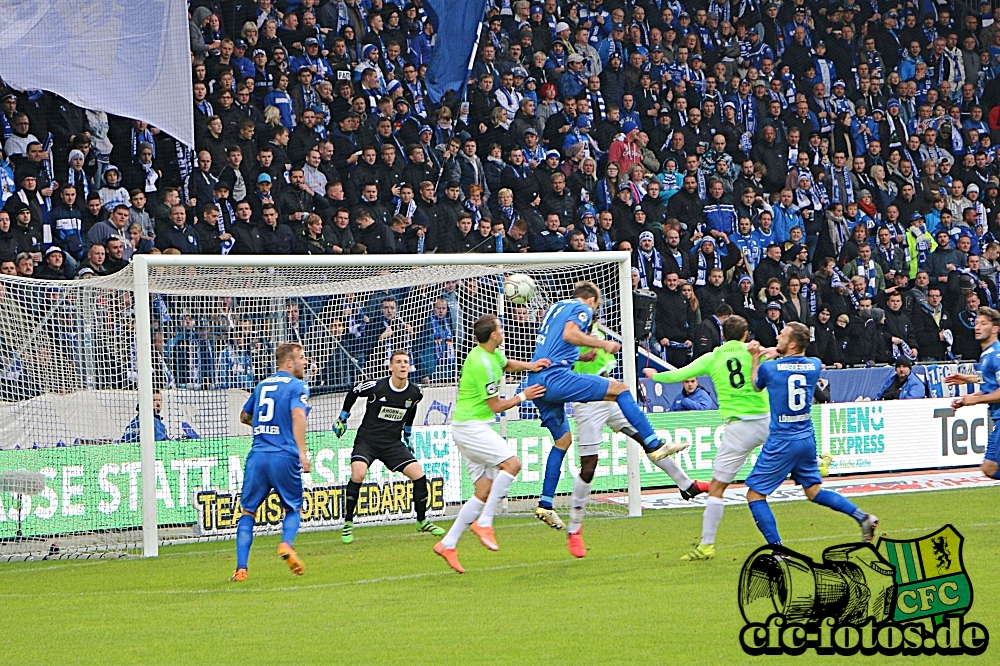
(394, 455)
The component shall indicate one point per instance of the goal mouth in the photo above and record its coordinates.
(128, 387)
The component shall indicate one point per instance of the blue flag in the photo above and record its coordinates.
(456, 26)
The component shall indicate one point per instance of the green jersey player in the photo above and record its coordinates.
(491, 465)
(745, 412)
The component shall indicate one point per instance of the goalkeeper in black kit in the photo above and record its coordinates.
(385, 435)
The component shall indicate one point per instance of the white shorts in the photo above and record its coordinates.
(482, 448)
(591, 417)
(739, 439)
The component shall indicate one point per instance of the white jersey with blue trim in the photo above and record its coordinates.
(549, 342)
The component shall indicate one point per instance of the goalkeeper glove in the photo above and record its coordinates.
(407, 434)
(339, 426)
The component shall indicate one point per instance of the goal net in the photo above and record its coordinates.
(185, 339)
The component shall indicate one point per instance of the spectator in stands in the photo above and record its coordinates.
(114, 227)
(766, 332)
(132, 430)
(707, 335)
(693, 397)
(52, 266)
(903, 384)
(435, 349)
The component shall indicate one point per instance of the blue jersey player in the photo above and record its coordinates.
(986, 329)
(560, 336)
(276, 410)
(790, 447)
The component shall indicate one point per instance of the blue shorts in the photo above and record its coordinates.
(993, 447)
(266, 471)
(562, 385)
(781, 457)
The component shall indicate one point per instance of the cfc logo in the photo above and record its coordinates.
(899, 597)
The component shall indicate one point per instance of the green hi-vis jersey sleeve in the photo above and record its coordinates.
(730, 367)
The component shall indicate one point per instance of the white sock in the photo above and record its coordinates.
(711, 519)
(497, 492)
(581, 491)
(465, 516)
(675, 472)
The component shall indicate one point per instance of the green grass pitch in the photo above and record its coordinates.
(388, 599)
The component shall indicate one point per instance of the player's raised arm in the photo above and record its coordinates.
(700, 366)
(521, 366)
(959, 378)
(360, 389)
(574, 335)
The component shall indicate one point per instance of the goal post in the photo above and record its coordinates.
(145, 265)
(120, 398)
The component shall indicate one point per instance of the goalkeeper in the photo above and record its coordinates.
(385, 435)
(746, 413)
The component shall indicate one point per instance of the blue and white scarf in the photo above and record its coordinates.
(867, 271)
(702, 276)
(73, 178)
(656, 261)
(597, 110)
(847, 196)
(444, 343)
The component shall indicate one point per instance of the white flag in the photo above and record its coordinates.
(128, 58)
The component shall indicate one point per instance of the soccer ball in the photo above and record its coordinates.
(519, 288)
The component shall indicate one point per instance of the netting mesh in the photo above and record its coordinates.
(69, 392)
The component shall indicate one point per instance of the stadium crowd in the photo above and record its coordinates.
(827, 163)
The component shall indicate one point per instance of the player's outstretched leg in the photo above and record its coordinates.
(415, 472)
(689, 489)
(553, 470)
(581, 491)
(244, 539)
(838, 502)
(655, 448)
(359, 470)
(289, 528)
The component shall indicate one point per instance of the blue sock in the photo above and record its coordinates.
(244, 539)
(765, 521)
(638, 420)
(553, 469)
(290, 526)
(838, 502)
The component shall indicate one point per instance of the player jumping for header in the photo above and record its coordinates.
(385, 435)
(791, 443)
(986, 329)
(276, 410)
(491, 466)
(559, 339)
